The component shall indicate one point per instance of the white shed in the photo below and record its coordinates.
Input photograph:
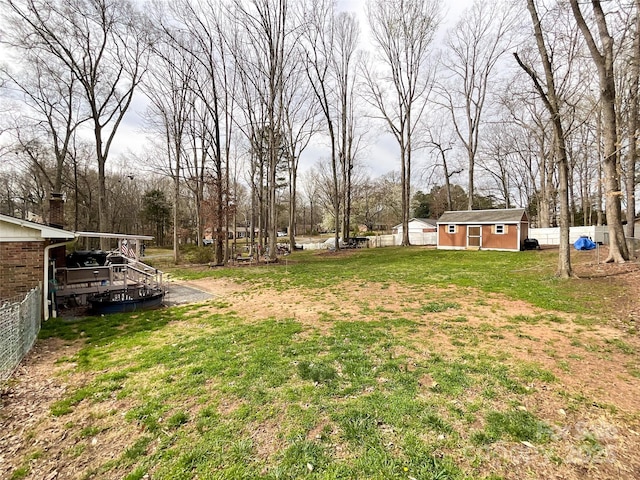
(422, 231)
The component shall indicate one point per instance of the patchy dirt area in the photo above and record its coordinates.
(595, 398)
(26, 401)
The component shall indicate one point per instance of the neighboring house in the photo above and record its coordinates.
(636, 228)
(422, 231)
(483, 229)
(25, 250)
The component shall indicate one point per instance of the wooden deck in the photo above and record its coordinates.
(75, 284)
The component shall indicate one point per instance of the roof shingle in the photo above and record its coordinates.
(510, 215)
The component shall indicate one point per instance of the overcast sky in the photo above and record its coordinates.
(381, 153)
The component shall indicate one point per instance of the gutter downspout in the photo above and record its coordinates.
(45, 287)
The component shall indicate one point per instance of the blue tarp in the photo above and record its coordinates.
(584, 243)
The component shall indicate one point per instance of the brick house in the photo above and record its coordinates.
(504, 229)
(25, 250)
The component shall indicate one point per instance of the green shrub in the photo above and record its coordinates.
(194, 254)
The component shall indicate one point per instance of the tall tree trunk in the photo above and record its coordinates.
(403, 188)
(632, 158)
(604, 62)
(546, 189)
(103, 217)
(407, 185)
(336, 191)
(551, 102)
(293, 180)
(176, 214)
(598, 202)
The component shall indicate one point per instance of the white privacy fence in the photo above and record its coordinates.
(551, 236)
(19, 327)
(420, 238)
(599, 234)
(383, 241)
(374, 241)
(415, 238)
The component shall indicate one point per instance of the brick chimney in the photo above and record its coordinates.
(56, 210)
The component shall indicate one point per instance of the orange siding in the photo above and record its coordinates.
(505, 241)
(458, 239)
(490, 240)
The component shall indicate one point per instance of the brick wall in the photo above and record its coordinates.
(21, 268)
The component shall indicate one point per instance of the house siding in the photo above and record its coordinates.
(506, 241)
(21, 266)
(453, 240)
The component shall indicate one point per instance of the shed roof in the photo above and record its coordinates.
(430, 222)
(509, 215)
(17, 230)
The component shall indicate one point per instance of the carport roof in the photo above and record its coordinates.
(509, 215)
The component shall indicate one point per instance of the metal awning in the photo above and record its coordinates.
(123, 236)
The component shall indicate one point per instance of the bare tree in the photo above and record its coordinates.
(199, 36)
(495, 160)
(168, 87)
(265, 27)
(440, 143)
(403, 31)
(603, 58)
(253, 115)
(552, 102)
(104, 44)
(49, 90)
(387, 192)
(347, 33)
(323, 187)
(311, 190)
(300, 123)
(634, 100)
(531, 118)
(320, 43)
(474, 48)
(197, 146)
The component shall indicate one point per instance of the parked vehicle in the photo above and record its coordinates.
(531, 244)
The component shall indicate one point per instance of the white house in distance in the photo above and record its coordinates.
(422, 231)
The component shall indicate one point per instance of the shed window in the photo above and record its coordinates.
(500, 230)
(452, 228)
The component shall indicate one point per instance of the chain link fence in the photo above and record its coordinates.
(19, 327)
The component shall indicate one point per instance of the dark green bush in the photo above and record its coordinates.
(194, 254)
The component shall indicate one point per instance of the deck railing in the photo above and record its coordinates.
(121, 275)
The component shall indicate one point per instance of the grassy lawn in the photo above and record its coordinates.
(408, 364)
(526, 276)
